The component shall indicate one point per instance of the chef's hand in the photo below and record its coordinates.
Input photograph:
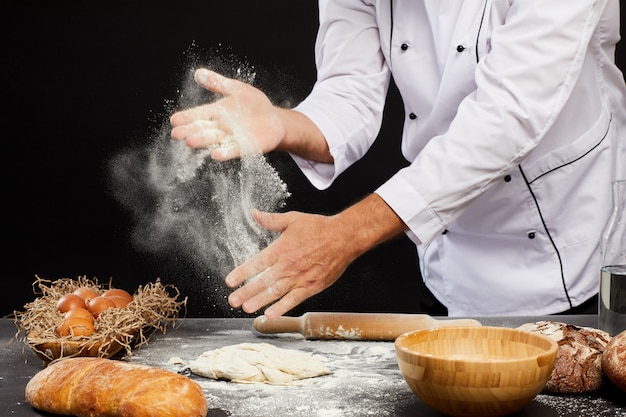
(310, 254)
(243, 121)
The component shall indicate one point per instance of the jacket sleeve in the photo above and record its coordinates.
(348, 98)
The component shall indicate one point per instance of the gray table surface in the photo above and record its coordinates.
(365, 379)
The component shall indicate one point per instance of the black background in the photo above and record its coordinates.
(83, 83)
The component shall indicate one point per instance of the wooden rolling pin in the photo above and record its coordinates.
(354, 326)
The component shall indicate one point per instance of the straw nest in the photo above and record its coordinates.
(154, 307)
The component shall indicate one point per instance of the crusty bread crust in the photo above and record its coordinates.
(90, 387)
(578, 366)
(614, 360)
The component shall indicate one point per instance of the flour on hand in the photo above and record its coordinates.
(258, 363)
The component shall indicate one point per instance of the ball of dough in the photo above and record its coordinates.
(614, 360)
(258, 362)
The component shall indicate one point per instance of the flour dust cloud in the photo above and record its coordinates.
(184, 201)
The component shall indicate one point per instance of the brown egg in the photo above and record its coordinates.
(116, 292)
(68, 302)
(75, 327)
(98, 304)
(86, 293)
(120, 302)
(78, 312)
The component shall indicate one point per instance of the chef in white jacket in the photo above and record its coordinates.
(515, 126)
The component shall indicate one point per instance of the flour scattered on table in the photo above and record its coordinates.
(591, 406)
(258, 363)
(365, 380)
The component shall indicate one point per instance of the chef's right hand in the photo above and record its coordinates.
(243, 121)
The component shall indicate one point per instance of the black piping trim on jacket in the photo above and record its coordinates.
(545, 227)
(482, 18)
(581, 156)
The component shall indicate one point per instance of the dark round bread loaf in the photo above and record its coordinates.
(614, 360)
(578, 366)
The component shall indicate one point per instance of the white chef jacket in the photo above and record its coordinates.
(514, 114)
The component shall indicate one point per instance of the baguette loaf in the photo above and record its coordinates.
(91, 387)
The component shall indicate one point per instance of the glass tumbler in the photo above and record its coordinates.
(612, 297)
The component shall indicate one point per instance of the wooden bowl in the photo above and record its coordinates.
(475, 371)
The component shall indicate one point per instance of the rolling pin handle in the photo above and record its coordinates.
(282, 324)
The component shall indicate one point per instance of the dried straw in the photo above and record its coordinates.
(154, 307)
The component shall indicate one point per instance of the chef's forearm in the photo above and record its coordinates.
(368, 223)
(303, 137)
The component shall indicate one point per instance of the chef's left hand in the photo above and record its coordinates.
(310, 254)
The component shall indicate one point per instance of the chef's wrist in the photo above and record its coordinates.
(302, 137)
(367, 224)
